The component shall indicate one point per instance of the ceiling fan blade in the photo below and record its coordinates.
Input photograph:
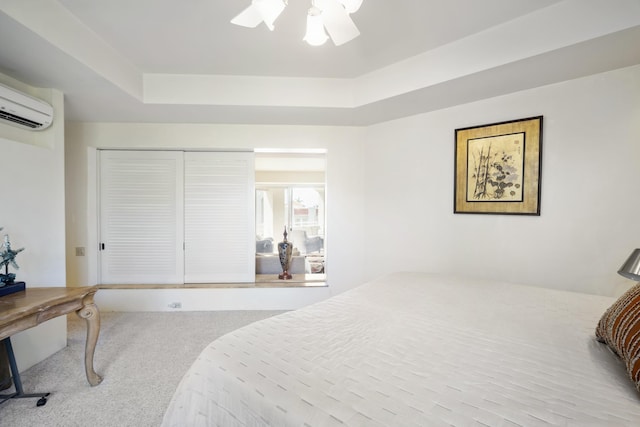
(266, 11)
(337, 21)
(351, 6)
(250, 17)
(269, 10)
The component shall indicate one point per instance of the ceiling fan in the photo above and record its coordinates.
(332, 15)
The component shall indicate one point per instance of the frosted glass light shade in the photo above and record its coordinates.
(315, 35)
(631, 267)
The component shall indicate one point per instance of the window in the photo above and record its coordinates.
(290, 194)
(306, 209)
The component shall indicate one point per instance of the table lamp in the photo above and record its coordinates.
(631, 267)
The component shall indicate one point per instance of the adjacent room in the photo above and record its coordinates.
(320, 212)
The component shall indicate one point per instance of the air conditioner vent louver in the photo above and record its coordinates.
(24, 111)
(19, 120)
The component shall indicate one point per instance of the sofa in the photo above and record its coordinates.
(270, 264)
(264, 245)
(304, 243)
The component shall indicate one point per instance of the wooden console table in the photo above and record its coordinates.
(29, 308)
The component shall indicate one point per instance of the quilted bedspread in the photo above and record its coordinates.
(414, 349)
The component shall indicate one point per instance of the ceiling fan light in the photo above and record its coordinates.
(315, 36)
(269, 10)
(326, 19)
(337, 21)
(351, 6)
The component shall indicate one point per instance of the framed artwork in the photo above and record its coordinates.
(497, 168)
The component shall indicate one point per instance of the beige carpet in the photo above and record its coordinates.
(142, 357)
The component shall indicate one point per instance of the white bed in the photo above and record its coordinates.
(413, 349)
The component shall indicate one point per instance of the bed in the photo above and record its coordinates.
(415, 349)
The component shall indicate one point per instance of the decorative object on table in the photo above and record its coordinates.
(497, 168)
(284, 251)
(8, 285)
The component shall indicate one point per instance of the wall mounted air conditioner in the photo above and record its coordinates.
(24, 111)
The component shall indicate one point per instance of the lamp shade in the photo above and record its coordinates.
(316, 35)
(631, 267)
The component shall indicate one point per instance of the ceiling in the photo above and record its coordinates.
(183, 61)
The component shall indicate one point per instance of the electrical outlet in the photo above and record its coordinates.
(79, 251)
(175, 305)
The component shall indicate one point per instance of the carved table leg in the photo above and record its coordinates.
(91, 314)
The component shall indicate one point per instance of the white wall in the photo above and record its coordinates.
(33, 215)
(390, 195)
(345, 202)
(590, 173)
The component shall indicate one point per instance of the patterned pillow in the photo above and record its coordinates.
(619, 328)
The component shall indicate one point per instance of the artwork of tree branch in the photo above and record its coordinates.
(495, 166)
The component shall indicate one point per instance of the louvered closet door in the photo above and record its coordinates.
(219, 217)
(141, 217)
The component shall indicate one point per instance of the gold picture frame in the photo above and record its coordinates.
(498, 168)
